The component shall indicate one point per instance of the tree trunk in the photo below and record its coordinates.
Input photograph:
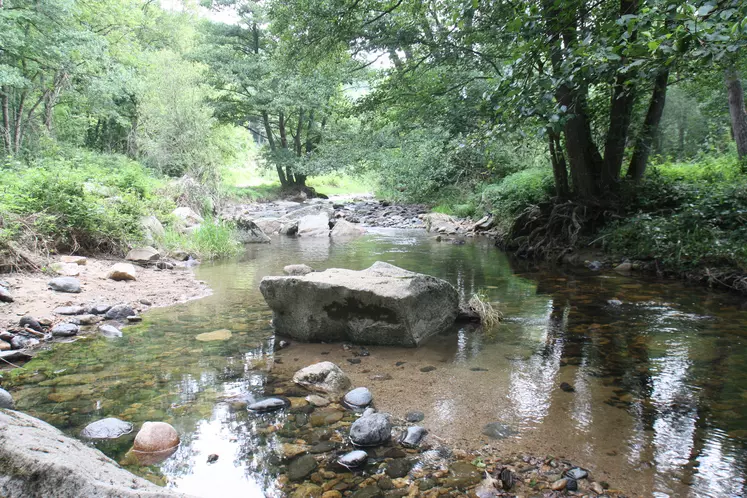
(559, 170)
(7, 140)
(271, 141)
(299, 128)
(621, 110)
(650, 129)
(737, 112)
(18, 123)
(309, 143)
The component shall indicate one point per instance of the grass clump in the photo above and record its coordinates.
(489, 316)
(213, 239)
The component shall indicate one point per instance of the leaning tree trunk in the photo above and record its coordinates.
(271, 141)
(650, 128)
(559, 169)
(737, 112)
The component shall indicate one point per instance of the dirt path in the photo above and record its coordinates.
(157, 287)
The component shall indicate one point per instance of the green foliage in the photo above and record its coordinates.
(515, 192)
(214, 239)
(80, 200)
(686, 216)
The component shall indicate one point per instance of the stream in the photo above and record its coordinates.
(659, 371)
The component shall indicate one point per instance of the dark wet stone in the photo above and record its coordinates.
(498, 430)
(567, 387)
(353, 361)
(301, 419)
(414, 417)
(571, 485)
(362, 352)
(212, 458)
(108, 428)
(615, 302)
(429, 368)
(5, 295)
(398, 468)
(65, 284)
(65, 330)
(385, 483)
(69, 310)
(368, 492)
(6, 400)
(20, 342)
(301, 468)
(371, 430)
(427, 484)
(478, 369)
(399, 363)
(507, 479)
(360, 397)
(462, 475)
(30, 322)
(353, 459)
(323, 447)
(99, 308)
(119, 312)
(268, 405)
(594, 266)
(577, 473)
(413, 436)
(134, 318)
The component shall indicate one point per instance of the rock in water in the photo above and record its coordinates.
(371, 430)
(6, 400)
(297, 270)
(360, 397)
(353, 459)
(301, 467)
(314, 225)
(69, 310)
(65, 330)
(122, 272)
(107, 428)
(110, 331)
(215, 335)
(119, 312)
(250, 233)
(413, 436)
(325, 377)
(65, 284)
(64, 468)
(383, 305)
(154, 437)
(414, 416)
(498, 430)
(346, 229)
(268, 405)
(143, 255)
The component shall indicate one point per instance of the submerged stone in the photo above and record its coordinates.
(268, 405)
(216, 335)
(110, 331)
(353, 459)
(108, 428)
(301, 467)
(498, 430)
(414, 417)
(325, 377)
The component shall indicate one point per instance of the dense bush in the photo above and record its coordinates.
(214, 239)
(79, 200)
(686, 215)
(515, 192)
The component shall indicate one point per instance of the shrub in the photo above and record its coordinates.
(214, 239)
(517, 191)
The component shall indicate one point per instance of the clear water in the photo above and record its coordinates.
(660, 406)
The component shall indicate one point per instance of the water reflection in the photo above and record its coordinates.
(659, 371)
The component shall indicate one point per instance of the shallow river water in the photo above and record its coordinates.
(659, 371)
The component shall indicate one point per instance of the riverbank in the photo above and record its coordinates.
(32, 296)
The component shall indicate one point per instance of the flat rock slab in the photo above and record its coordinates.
(107, 428)
(383, 305)
(215, 335)
(64, 468)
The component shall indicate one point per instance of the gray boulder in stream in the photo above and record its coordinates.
(383, 305)
(39, 460)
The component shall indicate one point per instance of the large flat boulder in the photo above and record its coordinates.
(383, 305)
(314, 225)
(39, 460)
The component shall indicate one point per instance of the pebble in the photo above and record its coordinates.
(5, 295)
(212, 458)
(414, 417)
(99, 308)
(317, 400)
(413, 436)
(30, 322)
(301, 467)
(65, 284)
(110, 331)
(429, 368)
(6, 400)
(134, 318)
(65, 330)
(353, 459)
(69, 310)
(577, 473)
(567, 387)
(268, 405)
(559, 485)
(398, 467)
(359, 397)
(597, 488)
(119, 312)
(107, 428)
(498, 430)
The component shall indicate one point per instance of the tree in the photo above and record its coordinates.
(261, 89)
